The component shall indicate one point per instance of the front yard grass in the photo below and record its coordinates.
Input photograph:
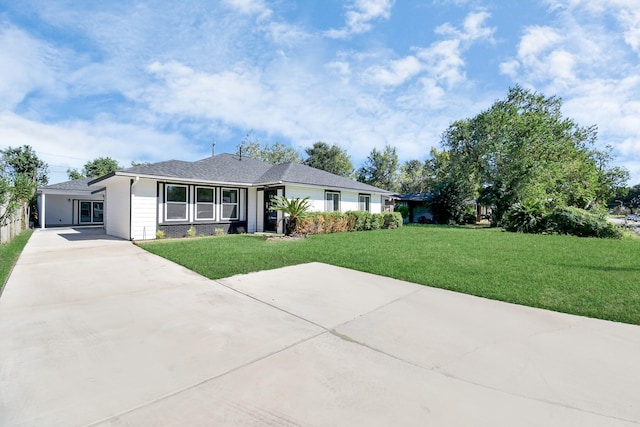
(9, 253)
(591, 277)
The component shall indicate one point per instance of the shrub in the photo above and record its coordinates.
(469, 215)
(526, 217)
(392, 220)
(337, 222)
(159, 234)
(293, 209)
(578, 222)
(403, 210)
(377, 220)
(362, 220)
(191, 232)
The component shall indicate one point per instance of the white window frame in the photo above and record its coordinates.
(212, 203)
(167, 203)
(236, 204)
(327, 208)
(364, 202)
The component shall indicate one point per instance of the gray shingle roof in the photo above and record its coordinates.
(295, 173)
(81, 184)
(246, 170)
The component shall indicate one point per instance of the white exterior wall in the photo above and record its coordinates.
(58, 210)
(315, 195)
(144, 204)
(117, 202)
(349, 200)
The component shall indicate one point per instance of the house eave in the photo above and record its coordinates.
(337, 187)
(57, 191)
(172, 179)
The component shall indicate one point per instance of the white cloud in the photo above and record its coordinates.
(442, 61)
(473, 28)
(250, 7)
(398, 72)
(630, 20)
(28, 65)
(72, 144)
(359, 17)
(583, 57)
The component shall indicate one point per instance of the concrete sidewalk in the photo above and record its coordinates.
(96, 331)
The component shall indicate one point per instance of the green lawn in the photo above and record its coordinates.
(9, 253)
(591, 277)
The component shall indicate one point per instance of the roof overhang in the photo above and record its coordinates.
(50, 191)
(335, 187)
(170, 178)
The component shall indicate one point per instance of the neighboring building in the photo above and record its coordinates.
(225, 192)
(419, 213)
(70, 203)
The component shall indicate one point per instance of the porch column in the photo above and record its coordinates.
(41, 215)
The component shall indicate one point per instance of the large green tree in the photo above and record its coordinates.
(275, 153)
(523, 150)
(24, 161)
(380, 169)
(22, 173)
(332, 159)
(95, 168)
(412, 179)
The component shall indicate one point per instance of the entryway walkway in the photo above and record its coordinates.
(96, 331)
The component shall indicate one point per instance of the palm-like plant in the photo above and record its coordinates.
(294, 209)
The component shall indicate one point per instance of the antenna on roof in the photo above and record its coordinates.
(241, 152)
(213, 148)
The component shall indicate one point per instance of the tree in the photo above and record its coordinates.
(331, 159)
(611, 180)
(412, 177)
(134, 163)
(95, 168)
(435, 168)
(22, 173)
(74, 174)
(380, 169)
(100, 166)
(24, 161)
(276, 153)
(631, 198)
(522, 150)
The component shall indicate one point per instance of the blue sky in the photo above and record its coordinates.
(159, 80)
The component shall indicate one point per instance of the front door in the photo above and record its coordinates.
(270, 217)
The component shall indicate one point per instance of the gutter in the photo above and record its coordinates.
(132, 184)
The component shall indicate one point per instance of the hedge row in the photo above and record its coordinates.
(337, 222)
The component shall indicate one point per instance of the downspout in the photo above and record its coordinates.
(131, 185)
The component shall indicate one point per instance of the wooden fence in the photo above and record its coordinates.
(14, 225)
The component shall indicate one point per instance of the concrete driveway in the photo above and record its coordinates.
(95, 331)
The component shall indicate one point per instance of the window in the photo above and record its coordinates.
(85, 211)
(91, 212)
(98, 212)
(176, 201)
(364, 202)
(204, 203)
(229, 203)
(332, 201)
